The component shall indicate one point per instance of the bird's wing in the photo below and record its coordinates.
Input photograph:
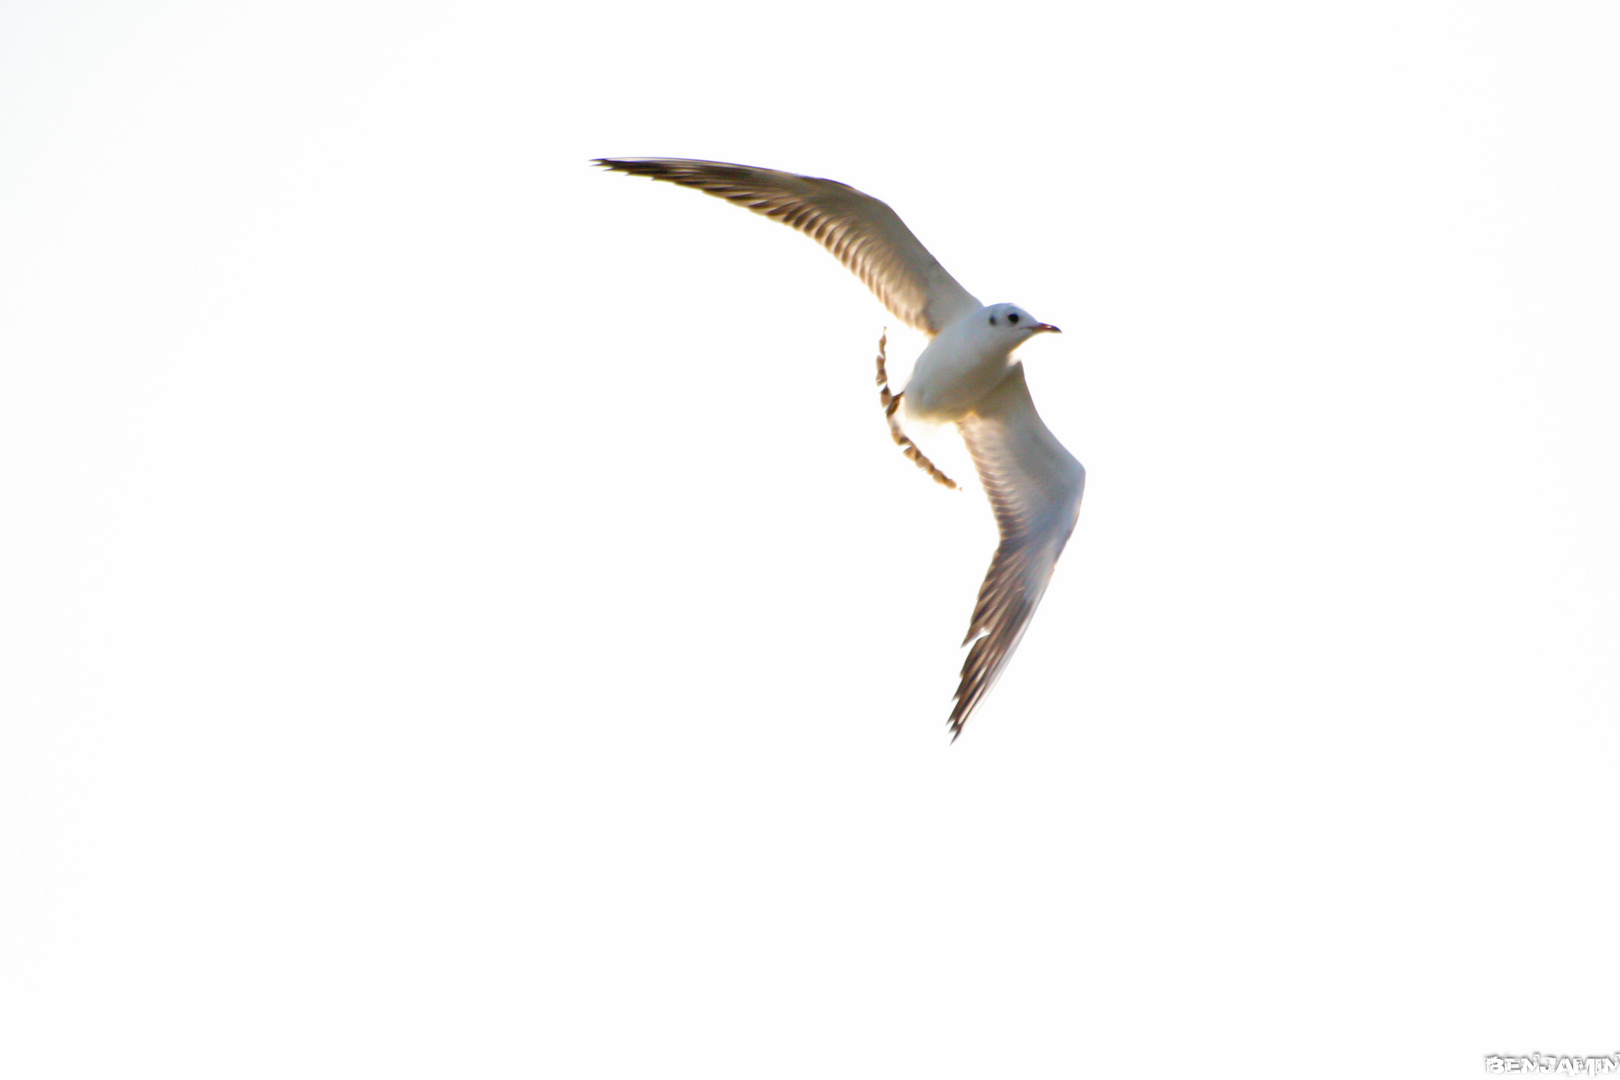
(1034, 486)
(863, 232)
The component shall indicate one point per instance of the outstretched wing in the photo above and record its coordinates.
(1035, 487)
(868, 237)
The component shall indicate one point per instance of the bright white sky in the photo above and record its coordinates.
(462, 615)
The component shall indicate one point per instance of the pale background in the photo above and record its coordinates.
(461, 614)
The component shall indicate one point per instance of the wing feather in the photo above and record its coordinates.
(864, 234)
(1035, 487)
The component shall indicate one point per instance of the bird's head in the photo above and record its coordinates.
(1013, 324)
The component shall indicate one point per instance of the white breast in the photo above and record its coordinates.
(960, 366)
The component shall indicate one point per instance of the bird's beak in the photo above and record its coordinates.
(1047, 327)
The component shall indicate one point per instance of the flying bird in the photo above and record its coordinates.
(966, 376)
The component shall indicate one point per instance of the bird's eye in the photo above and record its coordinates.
(1013, 318)
(992, 320)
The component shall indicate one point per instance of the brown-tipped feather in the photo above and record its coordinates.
(890, 403)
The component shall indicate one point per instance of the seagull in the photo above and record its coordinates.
(966, 376)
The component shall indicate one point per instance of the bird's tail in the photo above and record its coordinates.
(891, 403)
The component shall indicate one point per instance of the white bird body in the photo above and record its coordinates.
(966, 376)
(963, 363)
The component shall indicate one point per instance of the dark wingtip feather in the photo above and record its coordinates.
(625, 165)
